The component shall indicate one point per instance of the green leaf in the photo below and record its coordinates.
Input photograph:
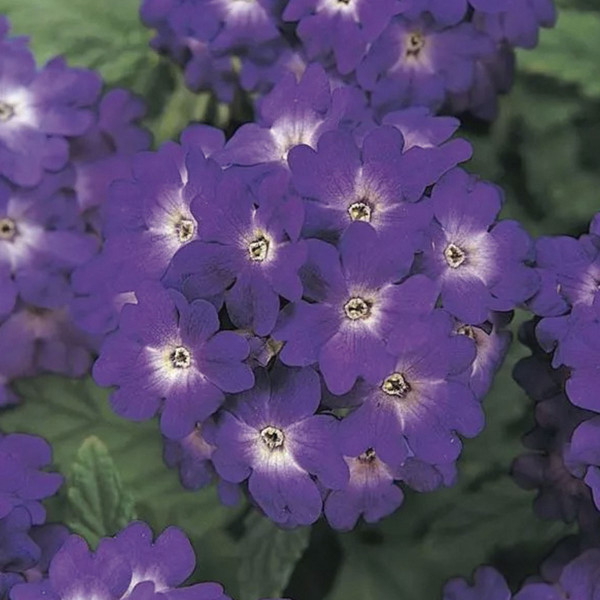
(569, 52)
(97, 503)
(269, 555)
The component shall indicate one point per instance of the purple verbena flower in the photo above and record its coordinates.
(41, 241)
(517, 22)
(130, 565)
(417, 408)
(579, 579)
(150, 217)
(34, 339)
(354, 298)
(488, 584)
(271, 436)
(481, 264)
(380, 183)
(371, 490)
(39, 109)
(294, 112)
(169, 356)
(491, 343)
(417, 62)
(26, 544)
(248, 251)
(22, 481)
(344, 27)
(100, 156)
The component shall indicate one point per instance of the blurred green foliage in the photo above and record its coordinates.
(542, 150)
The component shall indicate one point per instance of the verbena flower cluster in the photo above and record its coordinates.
(61, 142)
(27, 543)
(579, 578)
(452, 54)
(562, 376)
(314, 308)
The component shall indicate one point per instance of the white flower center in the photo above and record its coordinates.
(368, 456)
(396, 385)
(467, 330)
(454, 256)
(259, 248)
(7, 111)
(356, 308)
(360, 211)
(415, 42)
(8, 229)
(180, 358)
(185, 229)
(272, 437)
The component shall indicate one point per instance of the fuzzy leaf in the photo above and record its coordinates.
(98, 505)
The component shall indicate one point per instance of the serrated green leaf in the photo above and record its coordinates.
(269, 555)
(569, 52)
(98, 505)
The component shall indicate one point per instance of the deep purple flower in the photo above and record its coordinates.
(34, 340)
(585, 450)
(24, 547)
(491, 343)
(294, 112)
(169, 356)
(38, 110)
(354, 299)
(417, 408)
(345, 28)
(579, 579)
(494, 74)
(553, 466)
(130, 565)
(480, 263)
(22, 481)
(423, 129)
(271, 436)
(248, 250)
(570, 270)
(579, 350)
(488, 584)
(100, 155)
(18, 551)
(201, 35)
(149, 218)
(518, 22)
(41, 242)
(418, 62)
(371, 490)
(192, 456)
(380, 183)
(146, 221)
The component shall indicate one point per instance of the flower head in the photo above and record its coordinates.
(354, 298)
(39, 109)
(271, 436)
(169, 356)
(481, 264)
